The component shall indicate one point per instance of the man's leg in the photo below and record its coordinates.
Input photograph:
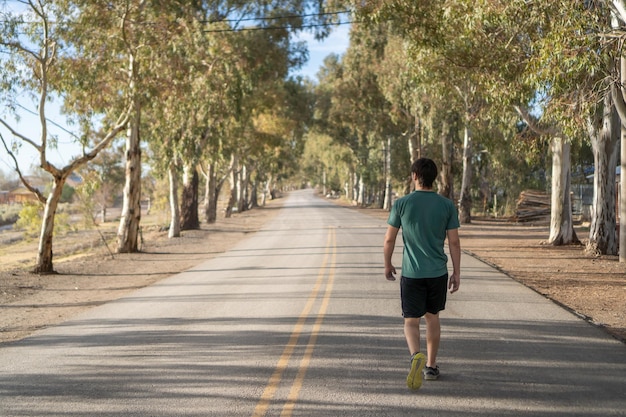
(433, 335)
(418, 359)
(412, 334)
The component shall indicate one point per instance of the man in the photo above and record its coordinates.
(426, 219)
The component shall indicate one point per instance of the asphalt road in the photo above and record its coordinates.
(299, 320)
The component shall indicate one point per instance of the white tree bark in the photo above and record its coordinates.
(465, 199)
(604, 140)
(233, 185)
(174, 206)
(128, 230)
(561, 224)
(361, 197)
(446, 186)
(388, 189)
(44, 251)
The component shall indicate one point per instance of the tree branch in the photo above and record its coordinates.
(22, 137)
(30, 188)
(532, 124)
(620, 9)
(620, 105)
(120, 124)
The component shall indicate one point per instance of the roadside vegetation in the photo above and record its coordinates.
(173, 105)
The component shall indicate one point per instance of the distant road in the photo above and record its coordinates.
(298, 320)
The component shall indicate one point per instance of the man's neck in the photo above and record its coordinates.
(418, 187)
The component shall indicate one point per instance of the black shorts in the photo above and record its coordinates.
(423, 295)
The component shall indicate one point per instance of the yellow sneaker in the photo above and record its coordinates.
(414, 379)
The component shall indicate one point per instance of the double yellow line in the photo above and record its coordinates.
(327, 270)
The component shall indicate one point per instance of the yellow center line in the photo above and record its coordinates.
(274, 381)
(306, 360)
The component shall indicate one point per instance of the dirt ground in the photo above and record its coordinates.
(88, 275)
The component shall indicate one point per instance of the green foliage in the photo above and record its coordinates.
(322, 156)
(30, 220)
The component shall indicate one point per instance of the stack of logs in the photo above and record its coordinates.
(533, 206)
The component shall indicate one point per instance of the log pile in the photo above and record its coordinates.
(533, 206)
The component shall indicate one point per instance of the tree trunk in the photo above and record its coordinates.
(233, 186)
(561, 224)
(254, 198)
(415, 140)
(388, 189)
(242, 187)
(268, 189)
(622, 199)
(189, 205)
(446, 187)
(210, 200)
(415, 150)
(174, 211)
(44, 253)
(465, 201)
(128, 231)
(348, 186)
(604, 140)
(361, 197)
(622, 189)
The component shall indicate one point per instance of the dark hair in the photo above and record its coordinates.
(425, 170)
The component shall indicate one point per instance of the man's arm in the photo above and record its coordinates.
(454, 244)
(390, 244)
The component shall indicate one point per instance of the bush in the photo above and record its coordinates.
(9, 214)
(30, 220)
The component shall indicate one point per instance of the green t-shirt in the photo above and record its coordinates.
(424, 217)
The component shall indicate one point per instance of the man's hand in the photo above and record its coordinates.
(390, 243)
(390, 273)
(454, 282)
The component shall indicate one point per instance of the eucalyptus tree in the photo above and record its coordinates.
(511, 31)
(422, 106)
(127, 34)
(326, 163)
(105, 175)
(619, 97)
(574, 65)
(483, 48)
(266, 54)
(570, 63)
(42, 60)
(352, 109)
(442, 41)
(253, 47)
(279, 129)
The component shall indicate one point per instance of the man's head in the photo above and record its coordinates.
(424, 171)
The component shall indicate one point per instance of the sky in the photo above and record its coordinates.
(336, 42)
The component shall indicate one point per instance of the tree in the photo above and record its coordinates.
(117, 58)
(354, 111)
(573, 65)
(35, 46)
(561, 221)
(618, 91)
(442, 40)
(105, 177)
